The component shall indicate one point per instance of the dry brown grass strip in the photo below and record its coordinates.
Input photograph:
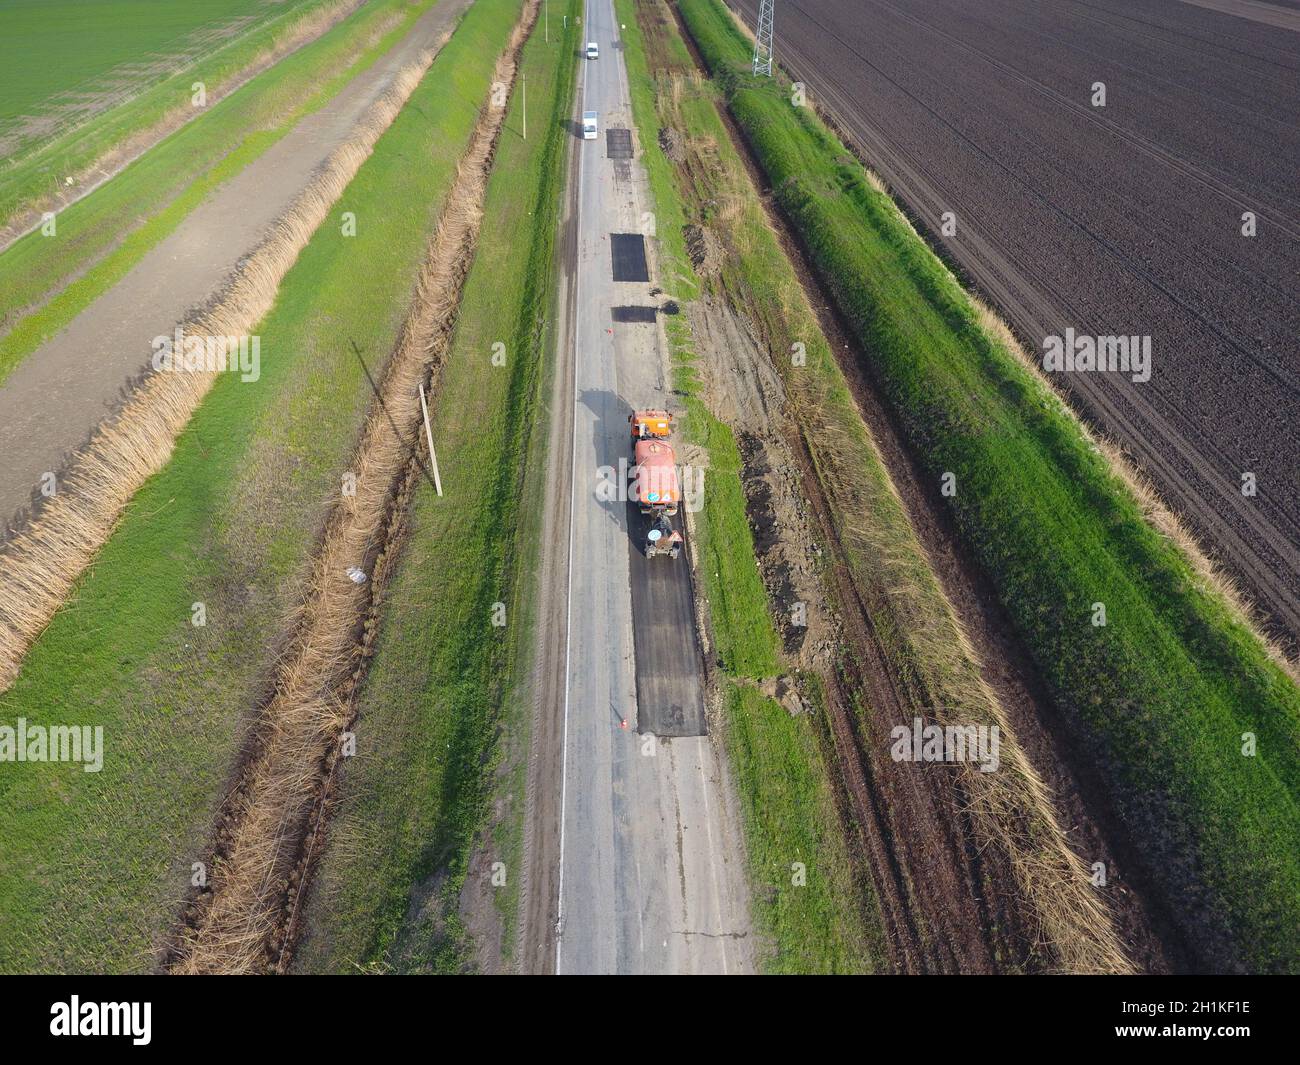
(239, 928)
(40, 565)
(1013, 806)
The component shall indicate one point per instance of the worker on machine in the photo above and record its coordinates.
(649, 424)
(663, 539)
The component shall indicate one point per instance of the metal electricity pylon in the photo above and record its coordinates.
(763, 38)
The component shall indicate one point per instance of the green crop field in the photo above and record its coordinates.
(96, 865)
(73, 49)
(444, 685)
(1193, 726)
(45, 282)
(92, 73)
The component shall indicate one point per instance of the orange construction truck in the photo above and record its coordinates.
(650, 423)
(654, 483)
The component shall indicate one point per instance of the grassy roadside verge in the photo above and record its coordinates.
(442, 695)
(230, 524)
(781, 775)
(101, 237)
(35, 170)
(1166, 692)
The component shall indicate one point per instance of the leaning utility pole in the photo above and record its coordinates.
(763, 38)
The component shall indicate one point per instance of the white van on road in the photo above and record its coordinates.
(592, 51)
(588, 125)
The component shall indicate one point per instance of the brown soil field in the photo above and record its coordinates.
(1119, 219)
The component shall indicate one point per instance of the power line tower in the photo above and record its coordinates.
(763, 38)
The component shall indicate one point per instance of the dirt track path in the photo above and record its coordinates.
(53, 401)
(1123, 219)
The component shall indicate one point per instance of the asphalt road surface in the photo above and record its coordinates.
(1122, 219)
(651, 874)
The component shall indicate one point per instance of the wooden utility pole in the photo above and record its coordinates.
(428, 432)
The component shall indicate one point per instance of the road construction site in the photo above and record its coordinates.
(569, 588)
(649, 872)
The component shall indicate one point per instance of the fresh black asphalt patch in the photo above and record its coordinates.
(618, 143)
(635, 314)
(668, 654)
(628, 251)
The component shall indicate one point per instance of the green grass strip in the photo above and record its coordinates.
(93, 866)
(445, 679)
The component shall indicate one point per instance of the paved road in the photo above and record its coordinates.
(651, 876)
(1117, 220)
(53, 401)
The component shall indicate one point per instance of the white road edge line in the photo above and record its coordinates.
(568, 606)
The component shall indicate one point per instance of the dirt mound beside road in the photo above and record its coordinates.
(704, 249)
(671, 142)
